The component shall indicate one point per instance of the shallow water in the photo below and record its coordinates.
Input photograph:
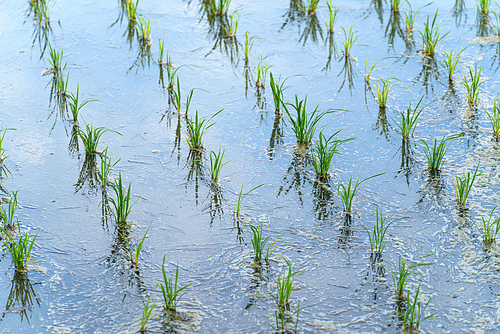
(86, 284)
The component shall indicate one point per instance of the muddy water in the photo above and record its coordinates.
(82, 281)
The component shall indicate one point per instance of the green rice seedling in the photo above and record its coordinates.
(395, 5)
(383, 92)
(312, 6)
(451, 63)
(234, 19)
(132, 9)
(472, 89)
(349, 40)
(219, 7)
(304, 125)
(8, 214)
(413, 312)
(259, 242)
(171, 72)
(431, 36)
(122, 204)
(463, 186)
(74, 104)
(435, 155)
(241, 197)
(143, 28)
(216, 164)
(20, 250)
(91, 136)
(368, 70)
(324, 150)
(410, 17)
(490, 228)
(170, 290)
(134, 249)
(56, 58)
(161, 45)
(197, 127)
(409, 120)
(377, 242)
(347, 192)
(106, 168)
(247, 47)
(332, 17)
(278, 88)
(2, 150)
(146, 314)
(284, 286)
(401, 273)
(494, 119)
(262, 71)
(62, 84)
(495, 24)
(483, 6)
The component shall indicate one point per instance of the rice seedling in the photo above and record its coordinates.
(146, 314)
(91, 136)
(483, 6)
(259, 242)
(56, 58)
(61, 82)
(20, 250)
(413, 312)
(495, 24)
(143, 28)
(312, 6)
(395, 5)
(134, 249)
(349, 40)
(106, 168)
(494, 120)
(401, 273)
(284, 287)
(409, 120)
(431, 36)
(170, 290)
(332, 17)
(247, 47)
(463, 186)
(197, 127)
(216, 164)
(278, 89)
(490, 228)
(410, 17)
(161, 45)
(304, 125)
(2, 150)
(377, 243)
(324, 150)
(132, 9)
(241, 197)
(8, 214)
(171, 72)
(122, 204)
(451, 63)
(347, 192)
(219, 7)
(74, 104)
(261, 71)
(368, 70)
(383, 93)
(234, 19)
(472, 89)
(435, 155)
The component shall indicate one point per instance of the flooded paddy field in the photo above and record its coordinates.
(81, 279)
